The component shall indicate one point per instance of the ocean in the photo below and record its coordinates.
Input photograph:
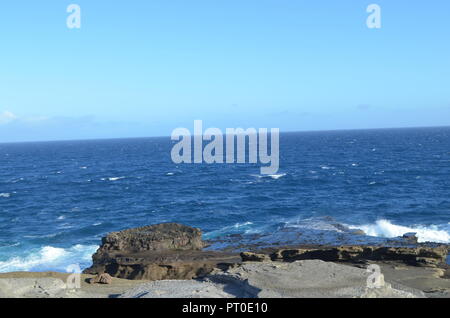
(57, 199)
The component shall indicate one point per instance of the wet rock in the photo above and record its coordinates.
(411, 238)
(358, 232)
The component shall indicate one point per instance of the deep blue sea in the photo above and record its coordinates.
(57, 199)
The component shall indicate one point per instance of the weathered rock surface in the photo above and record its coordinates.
(157, 252)
(178, 289)
(312, 278)
(32, 288)
(53, 285)
(257, 279)
(417, 256)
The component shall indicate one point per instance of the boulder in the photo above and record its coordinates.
(167, 236)
(157, 252)
(104, 278)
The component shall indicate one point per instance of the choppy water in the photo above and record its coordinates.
(57, 199)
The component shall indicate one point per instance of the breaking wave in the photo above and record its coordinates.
(50, 258)
(384, 228)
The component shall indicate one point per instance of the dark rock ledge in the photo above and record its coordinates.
(157, 252)
(174, 251)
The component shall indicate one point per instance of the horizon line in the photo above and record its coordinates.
(281, 132)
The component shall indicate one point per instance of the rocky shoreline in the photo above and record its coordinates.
(169, 260)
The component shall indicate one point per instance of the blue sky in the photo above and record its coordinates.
(143, 68)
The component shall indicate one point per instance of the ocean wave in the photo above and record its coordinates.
(277, 176)
(315, 223)
(384, 228)
(9, 245)
(16, 180)
(231, 229)
(113, 178)
(52, 235)
(50, 258)
(272, 176)
(5, 195)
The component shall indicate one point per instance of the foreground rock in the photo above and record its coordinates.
(179, 289)
(311, 278)
(32, 288)
(53, 285)
(157, 252)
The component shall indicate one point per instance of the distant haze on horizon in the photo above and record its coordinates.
(143, 68)
(281, 133)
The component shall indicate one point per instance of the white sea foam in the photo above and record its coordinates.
(384, 228)
(50, 258)
(238, 225)
(116, 178)
(16, 180)
(65, 226)
(113, 178)
(273, 176)
(170, 174)
(5, 195)
(277, 176)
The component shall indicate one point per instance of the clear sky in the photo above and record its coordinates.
(145, 67)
